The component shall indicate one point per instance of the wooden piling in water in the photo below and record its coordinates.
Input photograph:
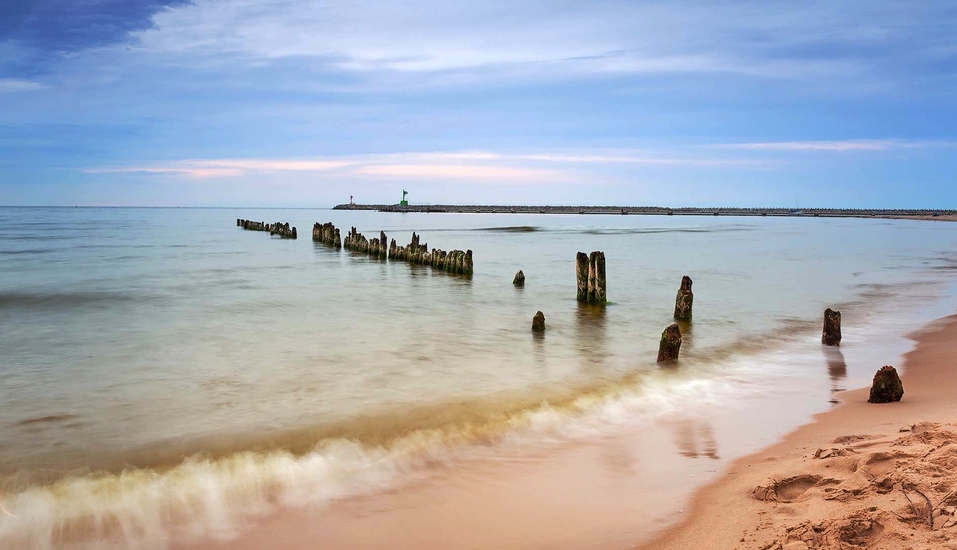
(326, 233)
(832, 328)
(278, 228)
(684, 300)
(670, 344)
(590, 271)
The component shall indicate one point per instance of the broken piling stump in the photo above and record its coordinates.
(832, 328)
(590, 271)
(670, 344)
(278, 228)
(326, 233)
(886, 387)
(684, 300)
(538, 322)
(519, 279)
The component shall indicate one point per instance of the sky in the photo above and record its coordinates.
(299, 103)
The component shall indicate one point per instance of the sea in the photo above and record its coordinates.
(167, 377)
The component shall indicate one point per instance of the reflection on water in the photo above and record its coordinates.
(590, 335)
(836, 366)
(687, 335)
(695, 438)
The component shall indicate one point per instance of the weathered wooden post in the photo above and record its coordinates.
(887, 386)
(684, 300)
(596, 267)
(670, 344)
(538, 322)
(591, 277)
(581, 269)
(832, 328)
(519, 279)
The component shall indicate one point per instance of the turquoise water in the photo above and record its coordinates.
(134, 338)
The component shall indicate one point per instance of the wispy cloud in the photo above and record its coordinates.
(18, 85)
(418, 36)
(839, 146)
(470, 172)
(476, 166)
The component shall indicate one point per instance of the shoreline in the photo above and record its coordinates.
(620, 491)
(875, 213)
(842, 473)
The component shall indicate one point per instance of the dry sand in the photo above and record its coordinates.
(857, 477)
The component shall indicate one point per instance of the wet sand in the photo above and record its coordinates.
(624, 490)
(844, 480)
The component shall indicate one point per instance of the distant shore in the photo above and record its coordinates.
(916, 214)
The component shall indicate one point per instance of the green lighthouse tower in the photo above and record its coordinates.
(404, 202)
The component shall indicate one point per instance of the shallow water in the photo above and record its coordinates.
(132, 338)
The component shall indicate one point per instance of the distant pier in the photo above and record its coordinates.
(660, 211)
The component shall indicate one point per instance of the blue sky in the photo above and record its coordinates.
(301, 103)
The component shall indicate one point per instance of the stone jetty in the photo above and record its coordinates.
(887, 386)
(590, 270)
(832, 328)
(278, 228)
(684, 300)
(657, 210)
(376, 247)
(519, 279)
(670, 344)
(538, 322)
(326, 233)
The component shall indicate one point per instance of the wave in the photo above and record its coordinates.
(510, 229)
(654, 230)
(29, 251)
(211, 497)
(61, 300)
(47, 419)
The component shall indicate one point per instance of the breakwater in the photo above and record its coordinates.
(278, 228)
(657, 211)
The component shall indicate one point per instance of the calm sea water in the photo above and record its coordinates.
(131, 339)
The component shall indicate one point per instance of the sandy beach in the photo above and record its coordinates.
(844, 481)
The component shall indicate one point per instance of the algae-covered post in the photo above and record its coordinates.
(538, 322)
(670, 344)
(283, 230)
(581, 269)
(886, 387)
(278, 228)
(684, 300)
(832, 328)
(326, 233)
(596, 272)
(519, 279)
(591, 277)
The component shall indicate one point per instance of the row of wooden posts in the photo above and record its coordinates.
(416, 252)
(278, 228)
(589, 268)
(590, 271)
